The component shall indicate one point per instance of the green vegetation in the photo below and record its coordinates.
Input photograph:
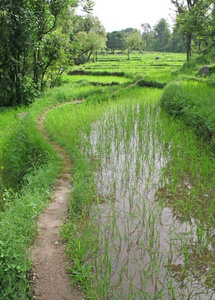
(146, 177)
(140, 178)
(161, 70)
(193, 102)
(142, 210)
(26, 162)
(40, 40)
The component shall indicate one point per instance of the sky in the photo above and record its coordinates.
(121, 14)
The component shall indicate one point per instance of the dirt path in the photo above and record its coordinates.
(50, 281)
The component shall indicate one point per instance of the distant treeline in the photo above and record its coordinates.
(157, 38)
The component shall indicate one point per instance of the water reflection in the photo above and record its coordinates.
(146, 240)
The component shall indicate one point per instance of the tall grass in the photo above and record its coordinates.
(193, 102)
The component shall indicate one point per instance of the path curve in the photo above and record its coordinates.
(50, 281)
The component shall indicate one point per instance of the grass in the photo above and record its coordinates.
(26, 162)
(193, 102)
(8, 121)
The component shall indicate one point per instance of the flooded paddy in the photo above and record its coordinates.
(149, 232)
(146, 242)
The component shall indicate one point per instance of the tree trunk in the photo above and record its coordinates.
(17, 81)
(89, 55)
(188, 45)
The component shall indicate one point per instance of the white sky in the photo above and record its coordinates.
(121, 14)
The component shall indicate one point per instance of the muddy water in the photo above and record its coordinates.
(146, 240)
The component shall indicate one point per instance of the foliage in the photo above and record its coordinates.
(25, 152)
(195, 19)
(147, 35)
(162, 35)
(133, 39)
(194, 103)
(87, 36)
(25, 45)
(152, 84)
(115, 41)
(158, 38)
(55, 57)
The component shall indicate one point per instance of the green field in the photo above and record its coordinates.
(142, 207)
(139, 64)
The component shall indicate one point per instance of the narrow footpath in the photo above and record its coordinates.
(50, 281)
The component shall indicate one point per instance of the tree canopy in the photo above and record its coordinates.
(25, 26)
(195, 21)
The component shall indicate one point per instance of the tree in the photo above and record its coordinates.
(54, 59)
(24, 27)
(147, 35)
(94, 42)
(127, 31)
(133, 39)
(176, 42)
(88, 36)
(162, 35)
(192, 19)
(115, 40)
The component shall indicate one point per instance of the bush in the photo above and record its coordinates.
(81, 60)
(150, 83)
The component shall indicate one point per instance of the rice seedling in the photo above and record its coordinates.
(151, 214)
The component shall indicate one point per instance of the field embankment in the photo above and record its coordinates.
(194, 103)
(29, 167)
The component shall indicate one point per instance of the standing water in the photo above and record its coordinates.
(144, 240)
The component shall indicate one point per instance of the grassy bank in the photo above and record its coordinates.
(194, 103)
(26, 162)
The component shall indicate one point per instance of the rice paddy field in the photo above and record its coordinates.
(144, 64)
(141, 221)
(141, 216)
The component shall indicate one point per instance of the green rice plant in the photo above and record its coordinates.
(97, 79)
(151, 192)
(139, 64)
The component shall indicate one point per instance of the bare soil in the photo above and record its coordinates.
(50, 280)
